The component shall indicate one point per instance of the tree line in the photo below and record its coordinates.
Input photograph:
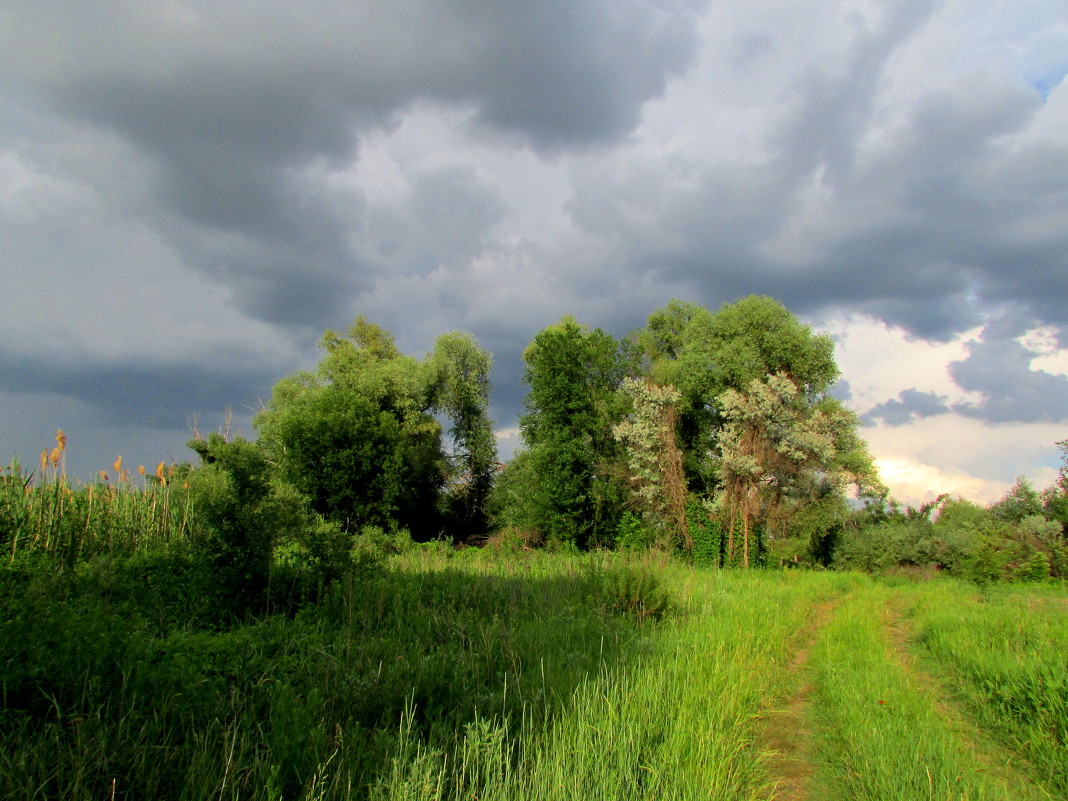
(709, 432)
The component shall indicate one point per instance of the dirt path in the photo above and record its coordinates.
(998, 762)
(784, 734)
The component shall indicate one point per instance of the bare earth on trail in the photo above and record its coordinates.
(784, 734)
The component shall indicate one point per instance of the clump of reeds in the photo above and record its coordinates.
(47, 513)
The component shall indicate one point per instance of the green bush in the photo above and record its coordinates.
(632, 534)
(242, 515)
(705, 533)
(630, 587)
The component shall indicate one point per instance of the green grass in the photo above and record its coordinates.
(675, 720)
(1005, 651)
(436, 674)
(94, 690)
(881, 732)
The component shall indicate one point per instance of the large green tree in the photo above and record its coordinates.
(759, 433)
(573, 375)
(703, 354)
(359, 436)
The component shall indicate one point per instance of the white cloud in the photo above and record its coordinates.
(880, 361)
(962, 456)
(1044, 343)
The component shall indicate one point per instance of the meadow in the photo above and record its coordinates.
(425, 672)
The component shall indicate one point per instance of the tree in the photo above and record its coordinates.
(1055, 497)
(1020, 502)
(242, 514)
(757, 429)
(460, 371)
(653, 456)
(573, 375)
(357, 437)
(778, 451)
(704, 354)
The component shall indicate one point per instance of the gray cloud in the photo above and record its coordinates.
(929, 228)
(909, 406)
(998, 367)
(147, 394)
(230, 107)
(202, 168)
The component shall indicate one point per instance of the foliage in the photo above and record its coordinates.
(982, 544)
(573, 375)
(460, 369)
(359, 437)
(1055, 497)
(632, 534)
(1021, 501)
(657, 481)
(757, 431)
(704, 354)
(705, 532)
(242, 517)
(778, 451)
(513, 501)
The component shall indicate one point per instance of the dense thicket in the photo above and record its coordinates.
(713, 434)
(1022, 537)
(714, 425)
(360, 439)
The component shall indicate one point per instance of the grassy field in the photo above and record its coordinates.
(438, 674)
(421, 672)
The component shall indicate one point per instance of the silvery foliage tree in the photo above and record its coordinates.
(653, 457)
(776, 450)
(760, 435)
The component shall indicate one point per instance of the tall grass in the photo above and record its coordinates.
(1006, 652)
(45, 513)
(94, 692)
(881, 735)
(676, 720)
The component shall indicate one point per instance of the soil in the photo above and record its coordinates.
(784, 734)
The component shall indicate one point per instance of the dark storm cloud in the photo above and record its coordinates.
(160, 396)
(998, 368)
(909, 406)
(927, 225)
(230, 104)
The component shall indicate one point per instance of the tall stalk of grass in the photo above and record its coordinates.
(46, 514)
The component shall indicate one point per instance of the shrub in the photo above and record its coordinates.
(243, 515)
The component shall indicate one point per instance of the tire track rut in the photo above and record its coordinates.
(784, 735)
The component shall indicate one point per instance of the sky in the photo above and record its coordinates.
(191, 192)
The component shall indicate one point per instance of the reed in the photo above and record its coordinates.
(47, 513)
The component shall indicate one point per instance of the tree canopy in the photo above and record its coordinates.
(359, 436)
(724, 411)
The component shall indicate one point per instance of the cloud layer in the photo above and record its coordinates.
(191, 192)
